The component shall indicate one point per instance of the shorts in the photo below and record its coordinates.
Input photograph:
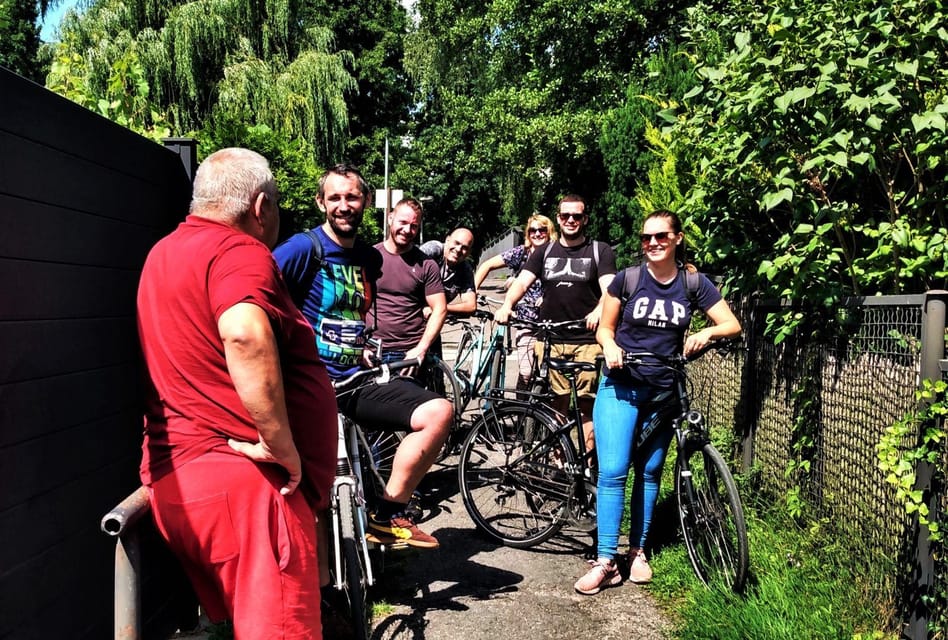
(586, 381)
(386, 407)
(249, 552)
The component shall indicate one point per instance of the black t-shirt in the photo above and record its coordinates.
(570, 279)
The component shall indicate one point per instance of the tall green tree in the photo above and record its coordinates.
(813, 152)
(372, 33)
(250, 59)
(518, 88)
(20, 36)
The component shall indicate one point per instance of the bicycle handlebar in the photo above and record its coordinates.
(382, 374)
(454, 316)
(485, 300)
(677, 361)
(548, 326)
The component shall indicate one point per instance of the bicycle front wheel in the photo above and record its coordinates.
(353, 565)
(712, 518)
(382, 448)
(517, 489)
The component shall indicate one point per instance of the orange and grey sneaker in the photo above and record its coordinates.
(402, 528)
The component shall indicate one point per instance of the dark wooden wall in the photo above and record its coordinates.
(81, 202)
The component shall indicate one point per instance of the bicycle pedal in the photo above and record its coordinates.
(386, 541)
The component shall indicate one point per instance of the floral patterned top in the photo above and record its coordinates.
(514, 259)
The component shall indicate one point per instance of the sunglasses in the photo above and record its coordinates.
(660, 236)
(572, 216)
(540, 230)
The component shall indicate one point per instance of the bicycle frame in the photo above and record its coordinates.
(480, 358)
(349, 472)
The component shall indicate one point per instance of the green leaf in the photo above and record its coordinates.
(771, 200)
(928, 120)
(909, 68)
(695, 90)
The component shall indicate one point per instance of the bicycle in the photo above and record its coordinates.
(351, 566)
(709, 506)
(521, 474)
(482, 350)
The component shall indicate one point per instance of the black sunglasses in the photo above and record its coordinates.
(572, 216)
(538, 230)
(661, 235)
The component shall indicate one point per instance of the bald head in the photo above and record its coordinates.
(457, 246)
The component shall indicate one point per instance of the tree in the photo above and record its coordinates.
(517, 89)
(813, 152)
(250, 59)
(372, 33)
(19, 36)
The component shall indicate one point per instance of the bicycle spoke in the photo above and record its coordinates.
(515, 490)
(712, 520)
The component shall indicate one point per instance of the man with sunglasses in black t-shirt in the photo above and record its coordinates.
(574, 270)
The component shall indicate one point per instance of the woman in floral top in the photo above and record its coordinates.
(538, 231)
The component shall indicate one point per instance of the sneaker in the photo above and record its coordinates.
(402, 527)
(386, 540)
(639, 571)
(602, 574)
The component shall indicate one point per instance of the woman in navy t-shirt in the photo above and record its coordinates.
(655, 319)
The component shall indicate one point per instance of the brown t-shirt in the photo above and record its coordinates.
(405, 282)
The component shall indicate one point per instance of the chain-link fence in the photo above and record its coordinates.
(809, 414)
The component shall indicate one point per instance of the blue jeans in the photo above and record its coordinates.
(617, 419)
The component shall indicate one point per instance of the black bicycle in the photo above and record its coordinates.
(709, 505)
(524, 469)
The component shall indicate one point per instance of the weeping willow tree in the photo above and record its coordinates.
(174, 67)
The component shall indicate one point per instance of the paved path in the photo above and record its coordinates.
(473, 589)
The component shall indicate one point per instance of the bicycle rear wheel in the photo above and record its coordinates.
(515, 489)
(355, 583)
(712, 518)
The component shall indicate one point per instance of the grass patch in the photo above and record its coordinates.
(802, 585)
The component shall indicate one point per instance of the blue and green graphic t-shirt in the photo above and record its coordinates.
(338, 298)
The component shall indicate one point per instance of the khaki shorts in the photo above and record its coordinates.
(586, 381)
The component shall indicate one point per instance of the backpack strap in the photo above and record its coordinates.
(692, 281)
(630, 284)
(316, 262)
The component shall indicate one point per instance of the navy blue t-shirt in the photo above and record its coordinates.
(655, 320)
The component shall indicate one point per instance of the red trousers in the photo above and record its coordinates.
(250, 553)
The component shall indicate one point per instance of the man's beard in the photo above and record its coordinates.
(342, 232)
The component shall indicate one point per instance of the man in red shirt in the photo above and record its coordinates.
(240, 424)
